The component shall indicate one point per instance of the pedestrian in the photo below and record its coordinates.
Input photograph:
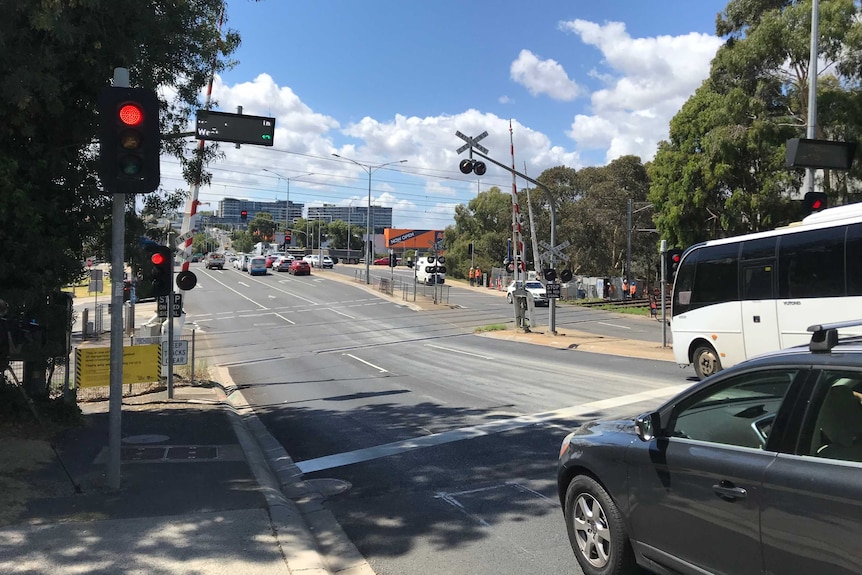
(634, 289)
(478, 275)
(472, 276)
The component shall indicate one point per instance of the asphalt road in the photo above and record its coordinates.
(436, 447)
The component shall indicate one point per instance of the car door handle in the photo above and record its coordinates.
(726, 491)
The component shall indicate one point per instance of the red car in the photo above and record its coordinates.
(271, 259)
(384, 261)
(299, 268)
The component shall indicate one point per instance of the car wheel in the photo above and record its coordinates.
(706, 361)
(596, 530)
(509, 297)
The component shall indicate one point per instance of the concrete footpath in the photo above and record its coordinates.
(203, 492)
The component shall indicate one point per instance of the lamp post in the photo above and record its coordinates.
(370, 168)
(287, 222)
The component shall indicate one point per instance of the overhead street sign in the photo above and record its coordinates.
(472, 142)
(236, 128)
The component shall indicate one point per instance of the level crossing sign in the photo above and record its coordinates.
(472, 142)
(554, 251)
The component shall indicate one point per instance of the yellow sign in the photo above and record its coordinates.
(141, 364)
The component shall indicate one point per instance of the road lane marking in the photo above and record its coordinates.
(377, 367)
(481, 430)
(613, 325)
(340, 313)
(458, 351)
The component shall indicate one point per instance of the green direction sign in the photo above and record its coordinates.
(236, 128)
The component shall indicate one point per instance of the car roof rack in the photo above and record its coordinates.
(824, 336)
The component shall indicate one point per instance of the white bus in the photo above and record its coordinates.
(735, 298)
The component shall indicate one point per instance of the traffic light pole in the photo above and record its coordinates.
(115, 395)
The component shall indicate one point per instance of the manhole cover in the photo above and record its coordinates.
(141, 439)
(185, 452)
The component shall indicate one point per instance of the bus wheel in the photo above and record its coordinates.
(706, 361)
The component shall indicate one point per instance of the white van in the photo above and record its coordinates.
(430, 270)
(257, 266)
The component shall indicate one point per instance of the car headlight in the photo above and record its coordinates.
(565, 443)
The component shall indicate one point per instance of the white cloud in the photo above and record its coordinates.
(647, 81)
(505, 100)
(543, 77)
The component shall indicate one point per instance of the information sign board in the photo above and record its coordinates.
(236, 128)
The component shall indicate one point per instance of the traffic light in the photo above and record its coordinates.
(393, 260)
(813, 202)
(129, 140)
(672, 257)
(243, 215)
(287, 236)
(160, 271)
(470, 249)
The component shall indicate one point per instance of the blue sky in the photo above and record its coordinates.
(382, 80)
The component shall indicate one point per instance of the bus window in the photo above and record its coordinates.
(854, 259)
(811, 264)
(757, 281)
(706, 276)
(759, 248)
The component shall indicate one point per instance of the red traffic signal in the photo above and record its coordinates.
(129, 140)
(673, 257)
(243, 215)
(813, 202)
(158, 259)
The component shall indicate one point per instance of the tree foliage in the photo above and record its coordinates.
(57, 56)
(722, 171)
(486, 221)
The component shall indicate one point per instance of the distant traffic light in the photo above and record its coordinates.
(813, 202)
(160, 272)
(672, 258)
(287, 237)
(129, 140)
(243, 215)
(393, 260)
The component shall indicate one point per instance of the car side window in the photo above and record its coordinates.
(835, 426)
(739, 410)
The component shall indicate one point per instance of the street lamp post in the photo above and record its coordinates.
(287, 222)
(370, 168)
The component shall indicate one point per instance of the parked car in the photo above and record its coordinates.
(197, 257)
(540, 296)
(300, 268)
(763, 459)
(282, 264)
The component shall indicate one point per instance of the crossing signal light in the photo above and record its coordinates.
(813, 202)
(475, 166)
(672, 257)
(243, 215)
(129, 140)
(160, 272)
(550, 274)
(566, 276)
(287, 237)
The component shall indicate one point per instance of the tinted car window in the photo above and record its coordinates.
(737, 411)
(835, 426)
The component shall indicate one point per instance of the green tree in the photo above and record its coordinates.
(487, 221)
(262, 227)
(722, 172)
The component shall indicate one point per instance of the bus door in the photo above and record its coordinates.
(759, 312)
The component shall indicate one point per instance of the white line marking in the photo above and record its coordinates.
(613, 325)
(481, 430)
(377, 367)
(340, 313)
(458, 351)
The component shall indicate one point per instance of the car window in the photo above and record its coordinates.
(738, 410)
(835, 425)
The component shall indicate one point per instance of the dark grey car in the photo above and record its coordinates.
(757, 469)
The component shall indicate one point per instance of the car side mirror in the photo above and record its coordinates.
(647, 425)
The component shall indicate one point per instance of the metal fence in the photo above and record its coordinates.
(60, 373)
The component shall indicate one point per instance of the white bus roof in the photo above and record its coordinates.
(839, 215)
